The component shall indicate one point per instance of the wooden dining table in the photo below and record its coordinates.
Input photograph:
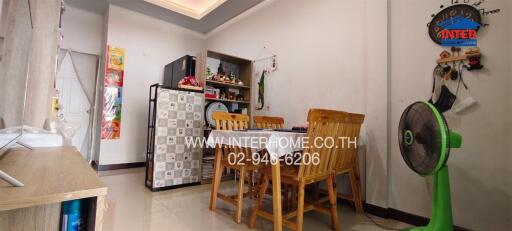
(277, 144)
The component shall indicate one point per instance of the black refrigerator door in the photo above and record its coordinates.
(175, 71)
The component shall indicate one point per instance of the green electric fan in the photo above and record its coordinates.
(425, 141)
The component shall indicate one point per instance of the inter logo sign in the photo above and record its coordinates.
(455, 26)
(458, 31)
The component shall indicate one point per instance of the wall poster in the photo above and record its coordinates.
(112, 94)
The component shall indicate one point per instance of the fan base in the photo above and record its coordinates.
(424, 228)
(441, 219)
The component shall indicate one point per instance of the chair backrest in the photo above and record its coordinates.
(324, 128)
(269, 122)
(230, 121)
(346, 157)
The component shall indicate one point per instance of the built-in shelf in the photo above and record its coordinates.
(228, 100)
(218, 83)
(244, 72)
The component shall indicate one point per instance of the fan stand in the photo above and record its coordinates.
(441, 219)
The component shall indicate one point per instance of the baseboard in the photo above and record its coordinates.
(173, 187)
(107, 167)
(410, 218)
(391, 213)
(375, 210)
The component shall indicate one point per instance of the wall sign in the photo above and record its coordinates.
(456, 25)
(112, 94)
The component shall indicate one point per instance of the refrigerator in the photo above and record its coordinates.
(175, 71)
(175, 120)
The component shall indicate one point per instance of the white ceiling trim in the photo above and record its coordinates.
(187, 10)
(240, 17)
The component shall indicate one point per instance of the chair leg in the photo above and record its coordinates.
(248, 177)
(261, 195)
(332, 202)
(261, 179)
(250, 182)
(356, 191)
(240, 196)
(290, 199)
(300, 206)
(293, 198)
(316, 191)
(285, 197)
(217, 176)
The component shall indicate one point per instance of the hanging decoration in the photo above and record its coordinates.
(266, 70)
(261, 91)
(455, 25)
(458, 24)
(112, 95)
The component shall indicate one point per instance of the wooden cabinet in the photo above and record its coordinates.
(241, 68)
(51, 176)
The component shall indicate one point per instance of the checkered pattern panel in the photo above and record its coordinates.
(179, 116)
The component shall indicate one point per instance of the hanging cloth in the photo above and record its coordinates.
(446, 98)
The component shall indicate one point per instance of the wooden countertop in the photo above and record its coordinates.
(50, 175)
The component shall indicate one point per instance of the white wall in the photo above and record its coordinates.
(376, 97)
(320, 62)
(150, 44)
(335, 54)
(321, 54)
(15, 52)
(480, 171)
(1, 6)
(82, 30)
(45, 16)
(361, 73)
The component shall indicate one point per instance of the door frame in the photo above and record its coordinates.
(93, 108)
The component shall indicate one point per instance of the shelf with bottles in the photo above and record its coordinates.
(225, 84)
(227, 100)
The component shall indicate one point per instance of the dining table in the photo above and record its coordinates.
(277, 143)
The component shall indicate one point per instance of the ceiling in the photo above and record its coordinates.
(216, 17)
(193, 8)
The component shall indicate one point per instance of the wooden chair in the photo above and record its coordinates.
(322, 123)
(229, 121)
(347, 160)
(273, 122)
(268, 122)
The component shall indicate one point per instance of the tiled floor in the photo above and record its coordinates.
(131, 206)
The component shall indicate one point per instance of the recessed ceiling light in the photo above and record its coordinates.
(193, 8)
